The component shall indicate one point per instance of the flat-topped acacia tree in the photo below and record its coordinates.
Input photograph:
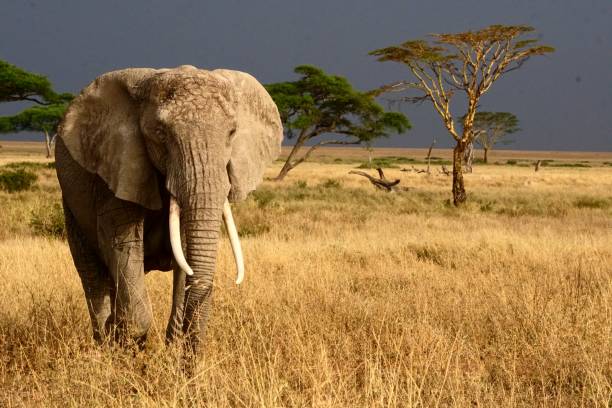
(16, 85)
(467, 63)
(491, 129)
(319, 104)
(43, 119)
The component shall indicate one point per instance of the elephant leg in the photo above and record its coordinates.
(95, 279)
(120, 229)
(175, 323)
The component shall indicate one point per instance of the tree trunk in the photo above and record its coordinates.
(468, 157)
(537, 165)
(433, 142)
(48, 144)
(486, 155)
(288, 166)
(459, 195)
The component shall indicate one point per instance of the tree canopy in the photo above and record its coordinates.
(490, 128)
(35, 118)
(467, 63)
(319, 103)
(17, 84)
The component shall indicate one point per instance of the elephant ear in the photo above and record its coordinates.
(102, 133)
(258, 135)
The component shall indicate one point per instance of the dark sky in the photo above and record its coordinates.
(564, 100)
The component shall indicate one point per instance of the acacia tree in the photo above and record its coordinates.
(320, 104)
(491, 128)
(37, 119)
(467, 63)
(17, 84)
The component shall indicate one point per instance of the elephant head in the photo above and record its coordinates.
(209, 134)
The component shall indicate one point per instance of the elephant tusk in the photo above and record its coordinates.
(175, 236)
(234, 240)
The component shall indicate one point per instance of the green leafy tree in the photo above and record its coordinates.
(37, 119)
(491, 128)
(467, 64)
(321, 104)
(17, 84)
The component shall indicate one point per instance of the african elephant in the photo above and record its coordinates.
(148, 161)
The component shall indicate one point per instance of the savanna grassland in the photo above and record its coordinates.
(352, 296)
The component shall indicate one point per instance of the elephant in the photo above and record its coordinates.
(148, 161)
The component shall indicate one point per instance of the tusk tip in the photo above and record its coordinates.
(240, 277)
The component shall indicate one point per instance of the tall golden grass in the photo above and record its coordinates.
(353, 297)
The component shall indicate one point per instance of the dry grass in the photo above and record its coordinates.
(352, 297)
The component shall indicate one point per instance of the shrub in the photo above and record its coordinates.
(591, 202)
(263, 198)
(582, 165)
(387, 164)
(29, 166)
(330, 183)
(16, 180)
(511, 162)
(48, 221)
(253, 224)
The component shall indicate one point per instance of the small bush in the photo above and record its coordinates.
(591, 202)
(582, 165)
(487, 206)
(511, 162)
(48, 221)
(330, 183)
(29, 166)
(301, 184)
(16, 180)
(253, 224)
(263, 198)
(387, 164)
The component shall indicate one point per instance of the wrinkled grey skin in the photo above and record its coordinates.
(130, 140)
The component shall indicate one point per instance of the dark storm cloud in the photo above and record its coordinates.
(564, 100)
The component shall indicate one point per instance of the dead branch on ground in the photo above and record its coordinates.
(381, 183)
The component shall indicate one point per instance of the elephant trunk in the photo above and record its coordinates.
(202, 227)
(199, 188)
(232, 232)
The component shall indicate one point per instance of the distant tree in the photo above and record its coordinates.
(37, 119)
(17, 84)
(319, 104)
(468, 62)
(490, 129)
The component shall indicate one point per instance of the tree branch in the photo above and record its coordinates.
(323, 143)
